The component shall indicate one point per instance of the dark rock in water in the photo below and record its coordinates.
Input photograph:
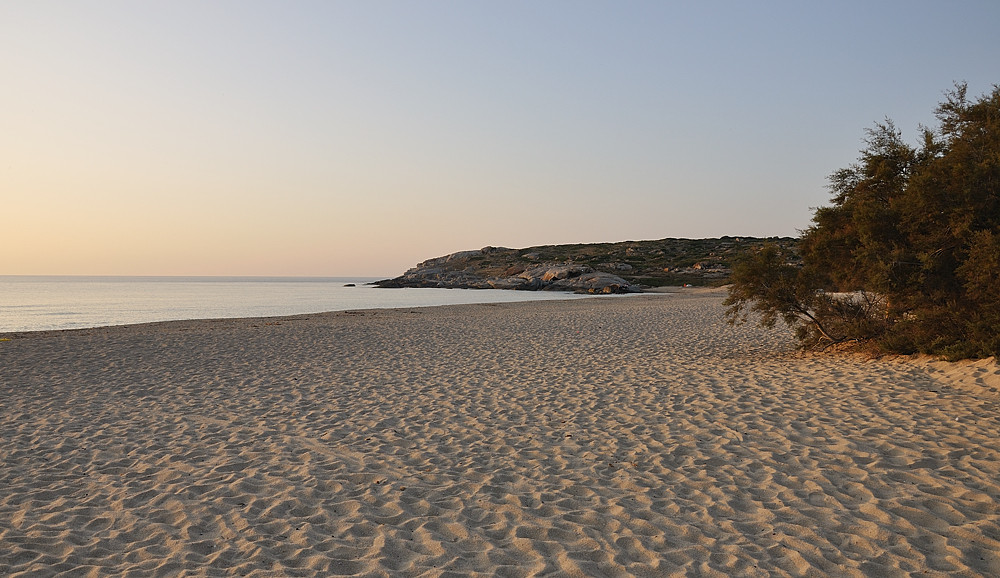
(349, 285)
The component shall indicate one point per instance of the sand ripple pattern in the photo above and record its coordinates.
(638, 436)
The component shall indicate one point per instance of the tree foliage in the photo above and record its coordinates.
(771, 285)
(917, 227)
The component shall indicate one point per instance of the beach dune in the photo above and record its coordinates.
(632, 436)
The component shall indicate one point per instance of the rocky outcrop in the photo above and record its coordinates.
(595, 267)
(457, 271)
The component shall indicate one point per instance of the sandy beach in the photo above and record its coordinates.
(633, 436)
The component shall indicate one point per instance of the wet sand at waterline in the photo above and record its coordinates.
(609, 436)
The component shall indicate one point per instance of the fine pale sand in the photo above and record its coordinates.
(610, 436)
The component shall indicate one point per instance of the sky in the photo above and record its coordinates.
(337, 138)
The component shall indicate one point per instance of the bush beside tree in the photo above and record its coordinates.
(907, 257)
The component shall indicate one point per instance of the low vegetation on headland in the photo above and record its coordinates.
(907, 257)
(627, 266)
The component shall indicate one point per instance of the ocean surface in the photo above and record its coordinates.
(29, 303)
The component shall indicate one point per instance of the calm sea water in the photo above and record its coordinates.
(44, 303)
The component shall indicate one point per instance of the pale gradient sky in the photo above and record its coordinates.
(357, 138)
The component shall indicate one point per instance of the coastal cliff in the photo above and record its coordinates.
(625, 267)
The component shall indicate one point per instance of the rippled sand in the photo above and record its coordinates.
(622, 436)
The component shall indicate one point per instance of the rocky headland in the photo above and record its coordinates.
(625, 267)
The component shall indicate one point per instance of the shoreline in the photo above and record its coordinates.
(271, 319)
(70, 303)
(634, 436)
(550, 296)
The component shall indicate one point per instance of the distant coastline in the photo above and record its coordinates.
(624, 267)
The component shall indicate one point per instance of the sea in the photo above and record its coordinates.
(42, 303)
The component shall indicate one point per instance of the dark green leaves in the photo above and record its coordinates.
(918, 227)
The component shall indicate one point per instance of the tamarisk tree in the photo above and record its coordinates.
(907, 256)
